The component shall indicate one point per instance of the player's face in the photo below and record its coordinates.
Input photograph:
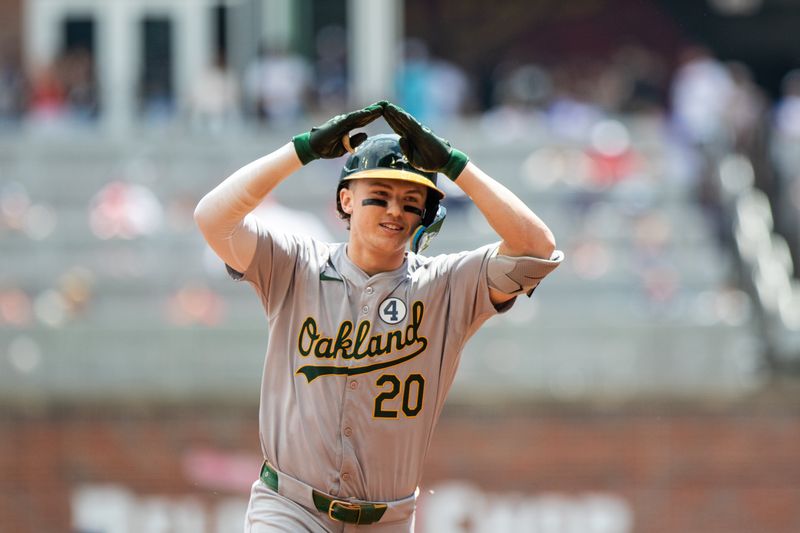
(384, 213)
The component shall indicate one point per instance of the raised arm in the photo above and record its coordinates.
(521, 231)
(223, 214)
(523, 234)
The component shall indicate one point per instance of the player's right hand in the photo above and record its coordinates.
(327, 141)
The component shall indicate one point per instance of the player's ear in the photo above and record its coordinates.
(346, 199)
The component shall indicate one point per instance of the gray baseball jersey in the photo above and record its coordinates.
(358, 367)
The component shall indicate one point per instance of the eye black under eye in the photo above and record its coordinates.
(375, 201)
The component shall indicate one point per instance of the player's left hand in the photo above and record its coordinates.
(330, 140)
(421, 146)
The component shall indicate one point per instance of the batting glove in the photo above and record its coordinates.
(422, 147)
(328, 140)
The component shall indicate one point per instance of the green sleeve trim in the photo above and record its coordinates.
(455, 165)
(302, 145)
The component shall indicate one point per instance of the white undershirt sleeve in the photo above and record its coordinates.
(223, 215)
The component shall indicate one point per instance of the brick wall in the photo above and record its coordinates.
(676, 470)
(679, 472)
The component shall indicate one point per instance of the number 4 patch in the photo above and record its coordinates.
(392, 310)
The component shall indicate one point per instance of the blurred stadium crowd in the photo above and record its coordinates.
(704, 107)
(708, 102)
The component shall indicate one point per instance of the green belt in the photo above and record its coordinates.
(341, 510)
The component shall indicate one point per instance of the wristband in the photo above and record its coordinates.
(302, 145)
(455, 164)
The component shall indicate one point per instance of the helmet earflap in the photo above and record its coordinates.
(431, 206)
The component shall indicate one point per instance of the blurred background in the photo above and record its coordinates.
(651, 383)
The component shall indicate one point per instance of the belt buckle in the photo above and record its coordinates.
(345, 505)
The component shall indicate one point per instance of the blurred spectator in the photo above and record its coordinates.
(331, 69)
(644, 76)
(413, 79)
(48, 96)
(430, 89)
(156, 99)
(746, 108)
(572, 112)
(519, 93)
(787, 109)
(578, 92)
(448, 91)
(12, 92)
(76, 70)
(702, 89)
(525, 86)
(64, 92)
(215, 97)
(786, 159)
(605, 83)
(747, 121)
(611, 155)
(277, 84)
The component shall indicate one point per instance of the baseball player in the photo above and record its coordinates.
(365, 336)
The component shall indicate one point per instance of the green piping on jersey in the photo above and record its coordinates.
(329, 273)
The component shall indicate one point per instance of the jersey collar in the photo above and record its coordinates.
(349, 270)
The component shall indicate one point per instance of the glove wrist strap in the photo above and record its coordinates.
(302, 145)
(455, 165)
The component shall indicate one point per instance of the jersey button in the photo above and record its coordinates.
(333, 492)
(354, 385)
(348, 432)
(365, 309)
(369, 290)
(345, 477)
